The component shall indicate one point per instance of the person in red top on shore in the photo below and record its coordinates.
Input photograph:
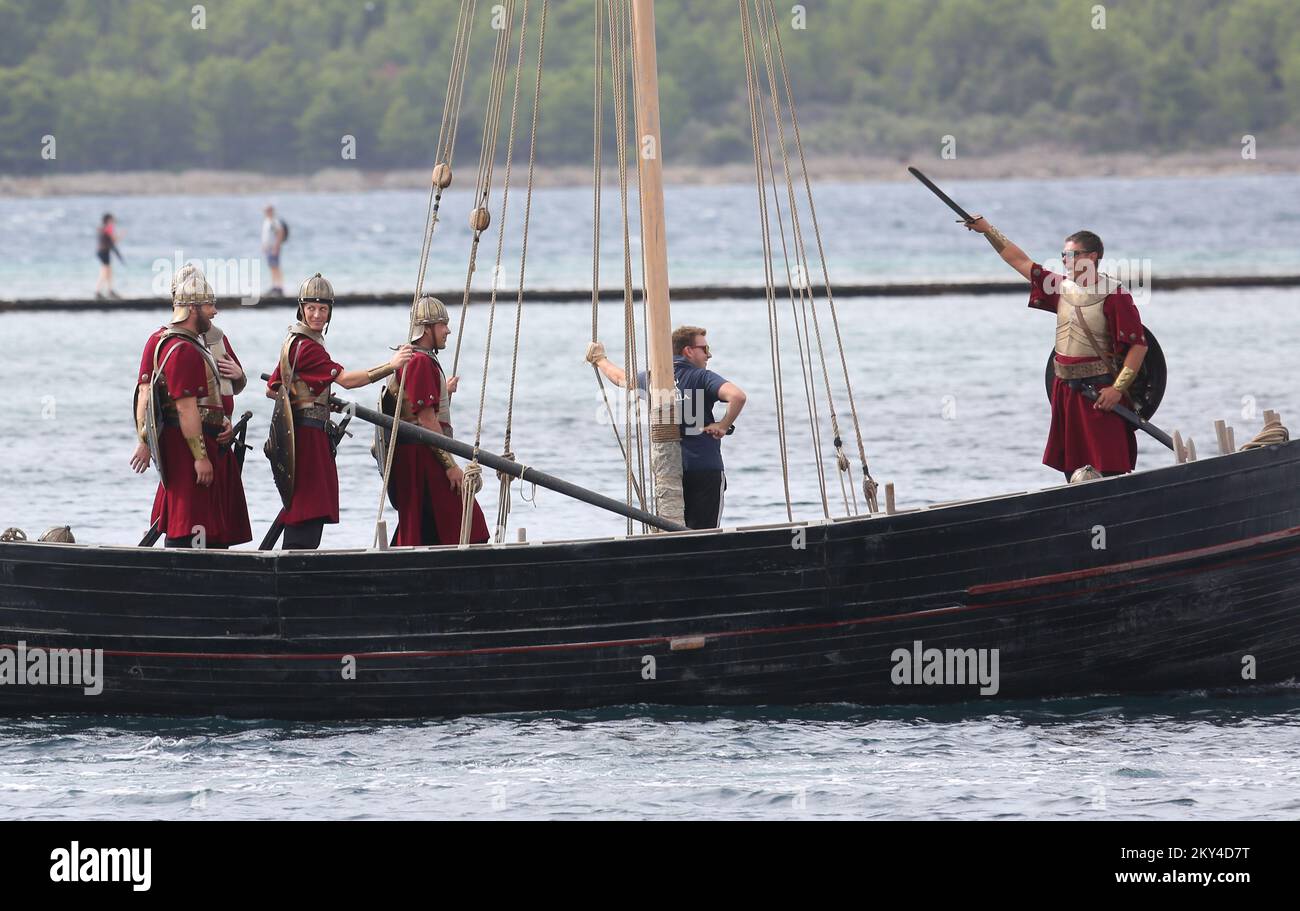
(1098, 334)
(105, 248)
(189, 506)
(311, 370)
(426, 484)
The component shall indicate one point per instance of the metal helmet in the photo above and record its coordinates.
(1086, 473)
(427, 311)
(316, 290)
(181, 273)
(189, 289)
(59, 534)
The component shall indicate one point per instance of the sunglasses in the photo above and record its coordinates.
(704, 348)
(1068, 255)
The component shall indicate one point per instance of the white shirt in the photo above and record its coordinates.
(270, 233)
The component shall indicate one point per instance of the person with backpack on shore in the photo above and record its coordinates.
(274, 233)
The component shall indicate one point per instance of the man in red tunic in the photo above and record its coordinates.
(311, 371)
(426, 484)
(1099, 335)
(188, 507)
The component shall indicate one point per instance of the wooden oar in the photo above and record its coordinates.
(416, 434)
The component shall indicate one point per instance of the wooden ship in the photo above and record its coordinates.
(1195, 586)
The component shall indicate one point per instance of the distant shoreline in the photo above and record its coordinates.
(1034, 163)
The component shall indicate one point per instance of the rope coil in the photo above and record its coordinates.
(1273, 433)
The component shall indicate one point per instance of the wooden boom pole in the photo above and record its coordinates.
(665, 435)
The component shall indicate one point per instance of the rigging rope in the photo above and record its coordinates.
(778, 386)
(440, 179)
(480, 218)
(503, 502)
(597, 167)
(642, 403)
(619, 18)
(765, 28)
(869, 485)
(473, 470)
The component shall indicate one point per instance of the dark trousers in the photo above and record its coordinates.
(702, 491)
(428, 526)
(305, 536)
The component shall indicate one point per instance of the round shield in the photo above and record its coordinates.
(279, 447)
(1147, 391)
(153, 426)
(379, 448)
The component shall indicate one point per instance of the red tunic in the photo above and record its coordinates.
(316, 479)
(419, 481)
(183, 506)
(230, 480)
(1081, 434)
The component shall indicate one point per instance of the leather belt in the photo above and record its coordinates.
(1081, 371)
(315, 416)
(212, 430)
(314, 412)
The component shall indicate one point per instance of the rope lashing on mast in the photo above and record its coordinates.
(440, 180)
(468, 490)
(869, 485)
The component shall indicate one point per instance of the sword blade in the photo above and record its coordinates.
(1129, 415)
(966, 216)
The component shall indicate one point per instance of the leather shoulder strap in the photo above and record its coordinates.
(1092, 340)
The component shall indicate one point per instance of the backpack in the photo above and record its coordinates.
(284, 228)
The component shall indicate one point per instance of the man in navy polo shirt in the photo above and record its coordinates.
(699, 389)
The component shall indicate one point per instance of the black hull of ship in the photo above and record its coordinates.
(1198, 585)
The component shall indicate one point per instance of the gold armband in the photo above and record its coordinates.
(1125, 379)
(197, 449)
(997, 240)
(444, 458)
(142, 432)
(375, 374)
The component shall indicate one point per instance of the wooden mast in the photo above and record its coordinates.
(665, 436)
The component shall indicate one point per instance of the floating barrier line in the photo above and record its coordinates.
(696, 293)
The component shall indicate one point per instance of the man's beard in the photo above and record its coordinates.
(203, 325)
